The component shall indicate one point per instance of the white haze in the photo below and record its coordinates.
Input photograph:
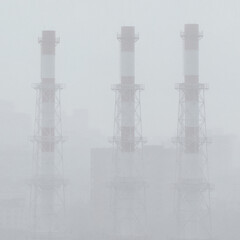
(87, 62)
(88, 56)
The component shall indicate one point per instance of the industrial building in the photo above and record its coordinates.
(159, 163)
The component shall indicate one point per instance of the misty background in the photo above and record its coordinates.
(88, 56)
(87, 62)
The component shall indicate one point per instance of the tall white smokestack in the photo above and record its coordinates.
(193, 204)
(47, 198)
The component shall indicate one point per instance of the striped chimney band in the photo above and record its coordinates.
(128, 94)
(191, 72)
(48, 43)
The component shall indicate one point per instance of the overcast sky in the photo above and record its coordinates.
(88, 56)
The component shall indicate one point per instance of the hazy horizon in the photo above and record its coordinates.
(88, 57)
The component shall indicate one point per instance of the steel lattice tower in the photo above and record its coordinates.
(47, 194)
(193, 188)
(128, 185)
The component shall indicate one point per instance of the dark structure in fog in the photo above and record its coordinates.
(47, 195)
(159, 163)
(193, 189)
(128, 185)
